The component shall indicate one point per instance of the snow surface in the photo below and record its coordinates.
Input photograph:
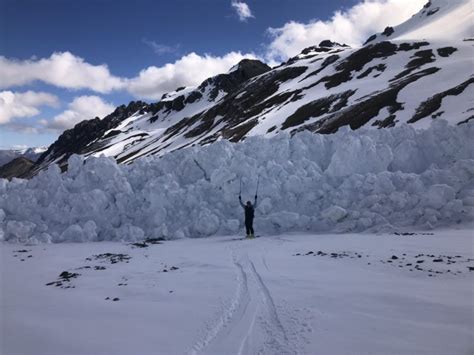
(364, 180)
(230, 296)
(443, 19)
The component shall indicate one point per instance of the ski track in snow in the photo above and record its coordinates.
(250, 324)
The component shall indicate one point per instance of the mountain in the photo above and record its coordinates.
(7, 155)
(18, 167)
(414, 73)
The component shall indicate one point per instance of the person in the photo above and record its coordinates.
(249, 214)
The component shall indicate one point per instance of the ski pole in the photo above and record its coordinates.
(240, 190)
(258, 181)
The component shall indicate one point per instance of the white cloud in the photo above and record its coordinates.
(81, 108)
(61, 69)
(242, 9)
(66, 70)
(351, 27)
(189, 70)
(23, 104)
(159, 48)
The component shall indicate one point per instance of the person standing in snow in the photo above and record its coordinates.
(249, 214)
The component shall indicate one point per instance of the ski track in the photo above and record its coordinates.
(277, 334)
(227, 313)
(251, 323)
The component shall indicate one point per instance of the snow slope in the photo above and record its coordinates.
(348, 181)
(414, 73)
(438, 20)
(377, 294)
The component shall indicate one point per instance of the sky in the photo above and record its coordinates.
(63, 61)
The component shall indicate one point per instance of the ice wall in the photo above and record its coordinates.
(387, 179)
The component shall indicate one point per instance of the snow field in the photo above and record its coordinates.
(351, 181)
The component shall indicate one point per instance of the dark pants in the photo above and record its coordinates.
(249, 226)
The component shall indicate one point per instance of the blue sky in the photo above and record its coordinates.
(62, 61)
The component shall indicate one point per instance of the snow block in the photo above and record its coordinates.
(334, 214)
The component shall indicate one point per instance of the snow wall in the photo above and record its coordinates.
(365, 180)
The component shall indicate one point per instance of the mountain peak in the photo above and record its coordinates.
(239, 73)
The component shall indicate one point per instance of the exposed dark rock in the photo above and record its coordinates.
(193, 97)
(18, 167)
(388, 31)
(112, 258)
(154, 240)
(446, 51)
(315, 49)
(68, 275)
(420, 58)
(380, 67)
(466, 120)
(64, 277)
(412, 45)
(330, 44)
(386, 122)
(362, 112)
(370, 39)
(318, 108)
(432, 11)
(140, 245)
(328, 61)
(431, 105)
(357, 60)
(437, 114)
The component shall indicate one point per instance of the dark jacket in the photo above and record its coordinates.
(249, 210)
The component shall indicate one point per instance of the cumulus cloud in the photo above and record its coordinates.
(189, 70)
(242, 10)
(66, 70)
(61, 69)
(23, 104)
(351, 27)
(81, 108)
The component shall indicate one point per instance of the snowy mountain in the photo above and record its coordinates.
(414, 73)
(7, 155)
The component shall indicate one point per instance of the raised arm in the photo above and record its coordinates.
(255, 203)
(240, 201)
